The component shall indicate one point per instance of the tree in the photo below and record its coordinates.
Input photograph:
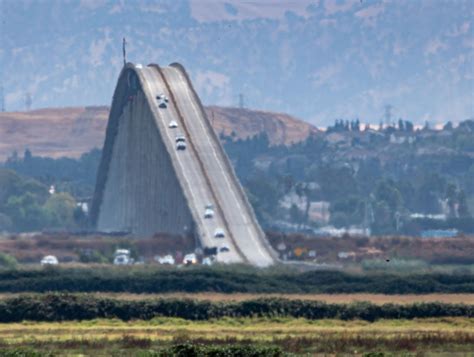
(60, 208)
(448, 126)
(401, 127)
(27, 215)
(295, 214)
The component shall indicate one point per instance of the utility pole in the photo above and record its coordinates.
(124, 51)
(28, 101)
(241, 101)
(2, 99)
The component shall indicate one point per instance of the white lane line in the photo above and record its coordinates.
(257, 243)
(157, 114)
(190, 166)
(204, 187)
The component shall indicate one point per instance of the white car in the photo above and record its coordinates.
(224, 249)
(190, 259)
(180, 146)
(219, 233)
(207, 261)
(209, 211)
(167, 259)
(162, 104)
(162, 100)
(173, 124)
(139, 66)
(49, 260)
(122, 259)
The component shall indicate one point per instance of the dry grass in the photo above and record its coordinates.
(294, 335)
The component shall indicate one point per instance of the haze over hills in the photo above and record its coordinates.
(315, 59)
(56, 132)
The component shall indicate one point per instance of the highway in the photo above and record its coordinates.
(145, 185)
(197, 190)
(242, 225)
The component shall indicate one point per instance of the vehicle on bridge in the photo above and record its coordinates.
(173, 124)
(219, 233)
(162, 100)
(209, 211)
(180, 142)
(181, 146)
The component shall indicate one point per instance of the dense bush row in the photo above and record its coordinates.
(228, 280)
(181, 350)
(65, 307)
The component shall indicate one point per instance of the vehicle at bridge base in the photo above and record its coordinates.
(49, 260)
(208, 261)
(190, 259)
(224, 249)
(181, 146)
(122, 257)
(167, 259)
(210, 251)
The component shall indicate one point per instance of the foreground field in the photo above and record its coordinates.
(298, 336)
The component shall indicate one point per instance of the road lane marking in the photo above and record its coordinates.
(224, 172)
(151, 82)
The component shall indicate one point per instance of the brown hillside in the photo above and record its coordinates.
(280, 128)
(57, 132)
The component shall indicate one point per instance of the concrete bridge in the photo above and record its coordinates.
(146, 186)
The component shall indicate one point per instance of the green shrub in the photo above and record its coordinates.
(66, 307)
(7, 261)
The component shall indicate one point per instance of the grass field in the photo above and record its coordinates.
(297, 336)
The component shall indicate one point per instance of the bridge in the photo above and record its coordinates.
(145, 185)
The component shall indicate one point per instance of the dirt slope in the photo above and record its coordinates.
(56, 132)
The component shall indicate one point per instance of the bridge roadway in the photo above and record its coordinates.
(197, 191)
(242, 225)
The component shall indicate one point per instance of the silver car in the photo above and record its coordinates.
(180, 145)
(173, 124)
(219, 233)
(209, 211)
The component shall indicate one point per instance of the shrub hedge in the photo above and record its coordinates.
(180, 350)
(67, 307)
(228, 280)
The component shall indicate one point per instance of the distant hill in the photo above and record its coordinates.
(57, 132)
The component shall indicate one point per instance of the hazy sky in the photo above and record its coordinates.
(318, 60)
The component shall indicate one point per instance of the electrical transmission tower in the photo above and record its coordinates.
(388, 115)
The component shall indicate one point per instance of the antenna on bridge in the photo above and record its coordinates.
(2, 50)
(124, 51)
